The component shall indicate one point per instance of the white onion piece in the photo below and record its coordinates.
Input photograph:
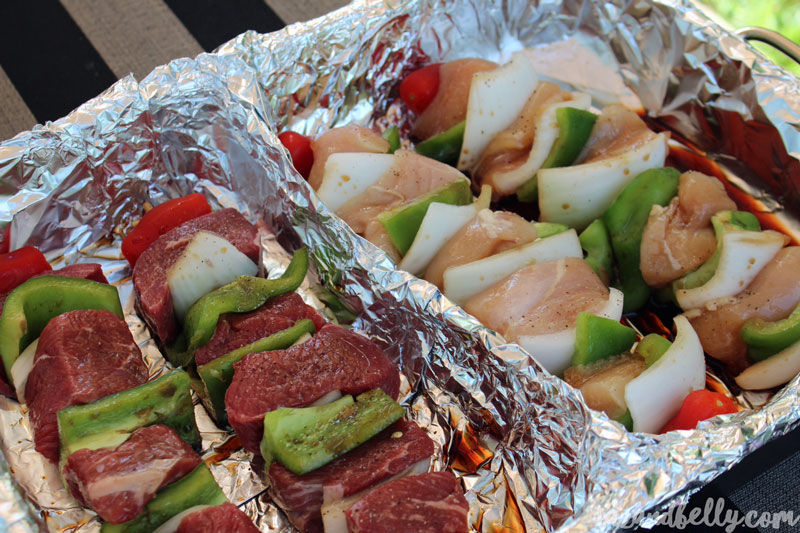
(656, 395)
(334, 506)
(207, 263)
(496, 98)
(440, 223)
(462, 282)
(551, 350)
(742, 256)
(303, 338)
(577, 195)
(331, 397)
(171, 525)
(547, 131)
(613, 308)
(554, 350)
(772, 372)
(22, 368)
(347, 175)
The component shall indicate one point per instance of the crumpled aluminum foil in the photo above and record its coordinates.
(529, 453)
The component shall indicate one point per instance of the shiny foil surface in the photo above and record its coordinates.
(529, 453)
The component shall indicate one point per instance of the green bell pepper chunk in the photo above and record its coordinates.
(765, 339)
(445, 147)
(529, 191)
(598, 338)
(341, 312)
(196, 488)
(626, 420)
(218, 374)
(245, 294)
(723, 222)
(304, 439)
(652, 347)
(626, 219)
(392, 136)
(548, 229)
(596, 242)
(574, 127)
(108, 422)
(31, 305)
(403, 222)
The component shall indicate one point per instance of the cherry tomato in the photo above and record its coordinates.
(419, 88)
(20, 265)
(700, 405)
(299, 147)
(160, 220)
(5, 239)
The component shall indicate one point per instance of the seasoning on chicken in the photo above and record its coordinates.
(511, 148)
(350, 138)
(449, 106)
(679, 238)
(489, 233)
(772, 295)
(540, 298)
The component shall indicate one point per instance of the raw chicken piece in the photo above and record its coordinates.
(620, 147)
(603, 383)
(618, 130)
(679, 238)
(410, 176)
(512, 146)
(489, 233)
(449, 106)
(351, 138)
(377, 235)
(589, 72)
(772, 295)
(540, 298)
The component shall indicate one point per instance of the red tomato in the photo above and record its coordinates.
(5, 239)
(160, 220)
(698, 406)
(299, 147)
(419, 88)
(20, 265)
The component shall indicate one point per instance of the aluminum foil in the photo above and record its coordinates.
(530, 454)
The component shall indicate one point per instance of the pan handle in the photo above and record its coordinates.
(772, 38)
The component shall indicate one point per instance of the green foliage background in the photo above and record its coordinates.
(779, 15)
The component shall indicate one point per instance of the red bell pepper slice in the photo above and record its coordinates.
(5, 239)
(19, 266)
(419, 88)
(700, 405)
(299, 147)
(160, 220)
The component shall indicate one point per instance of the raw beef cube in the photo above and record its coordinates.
(392, 452)
(333, 359)
(235, 330)
(118, 483)
(427, 503)
(82, 356)
(154, 300)
(90, 271)
(225, 518)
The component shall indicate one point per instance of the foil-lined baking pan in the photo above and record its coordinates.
(529, 453)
